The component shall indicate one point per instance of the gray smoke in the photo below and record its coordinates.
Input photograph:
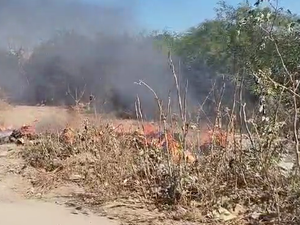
(27, 23)
(79, 46)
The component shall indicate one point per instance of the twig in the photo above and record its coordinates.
(75, 98)
(161, 119)
(177, 86)
(246, 125)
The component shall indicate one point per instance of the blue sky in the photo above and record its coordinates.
(179, 15)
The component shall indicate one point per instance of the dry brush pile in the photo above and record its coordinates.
(219, 178)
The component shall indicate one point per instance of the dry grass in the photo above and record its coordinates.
(91, 155)
(113, 162)
(113, 159)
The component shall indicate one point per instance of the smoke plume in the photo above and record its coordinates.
(71, 47)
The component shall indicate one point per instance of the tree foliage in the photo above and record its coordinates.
(237, 41)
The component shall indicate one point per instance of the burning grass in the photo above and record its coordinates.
(226, 184)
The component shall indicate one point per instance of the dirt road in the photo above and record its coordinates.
(36, 213)
(15, 209)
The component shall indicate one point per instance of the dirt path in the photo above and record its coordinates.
(36, 213)
(42, 117)
(16, 209)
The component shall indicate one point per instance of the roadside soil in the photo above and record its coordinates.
(18, 209)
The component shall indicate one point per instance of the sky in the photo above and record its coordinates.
(179, 15)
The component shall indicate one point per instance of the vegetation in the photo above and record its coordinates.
(250, 56)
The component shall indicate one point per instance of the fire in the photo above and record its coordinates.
(27, 131)
(216, 136)
(166, 141)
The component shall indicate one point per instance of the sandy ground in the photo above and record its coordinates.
(55, 118)
(42, 117)
(36, 213)
(16, 209)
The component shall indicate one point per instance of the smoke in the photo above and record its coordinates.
(77, 47)
(27, 23)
